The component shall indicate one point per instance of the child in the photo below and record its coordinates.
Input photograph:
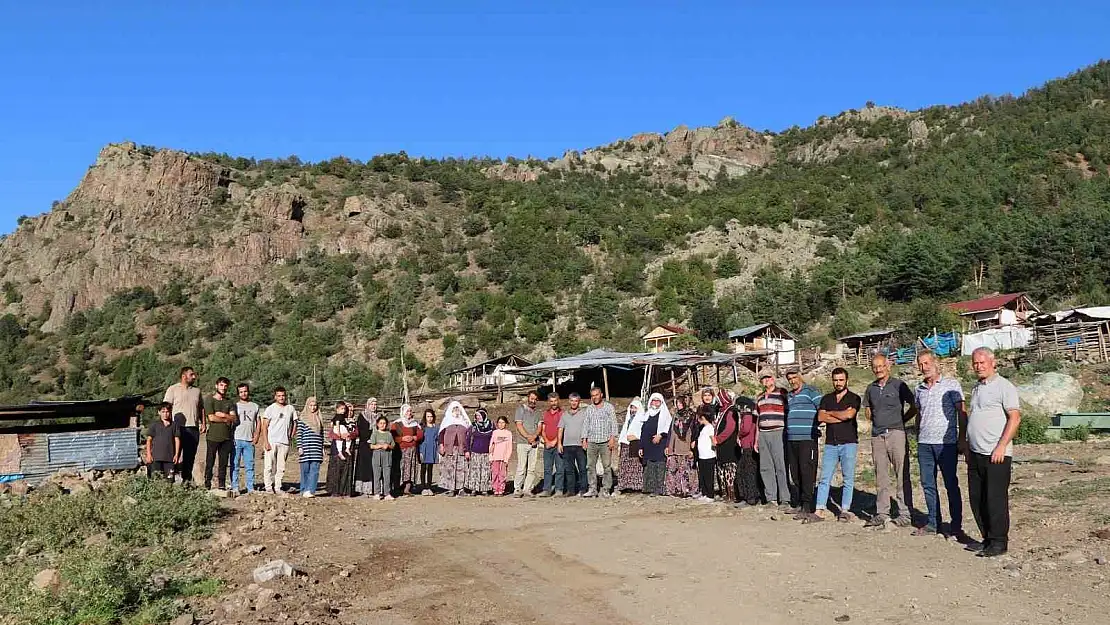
(429, 451)
(163, 443)
(341, 430)
(478, 479)
(706, 456)
(500, 450)
(381, 445)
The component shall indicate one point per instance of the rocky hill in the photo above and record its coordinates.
(269, 269)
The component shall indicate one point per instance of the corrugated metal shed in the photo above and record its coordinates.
(44, 454)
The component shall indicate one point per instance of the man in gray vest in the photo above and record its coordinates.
(890, 404)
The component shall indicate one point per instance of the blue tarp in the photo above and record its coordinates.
(946, 344)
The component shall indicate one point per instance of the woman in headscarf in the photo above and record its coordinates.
(343, 458)
(479, 477)
(408, 434)
(747, 467)
(309, 434)
(452, 449)
(364, 465)
(630, 468)
(682, 475)
(653, 444)
(724, 438)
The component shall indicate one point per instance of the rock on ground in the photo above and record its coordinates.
(1052, 393)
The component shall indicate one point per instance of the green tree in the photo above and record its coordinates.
(709, 323)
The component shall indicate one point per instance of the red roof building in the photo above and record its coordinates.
(995, 311)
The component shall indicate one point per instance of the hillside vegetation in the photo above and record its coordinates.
(260, 270)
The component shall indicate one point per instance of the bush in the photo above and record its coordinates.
(1032, 430)
(1078, 433)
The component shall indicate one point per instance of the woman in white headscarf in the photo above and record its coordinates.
(364, 425)
(407, 433)
(452, 449)
(654, 433)
(630, 469)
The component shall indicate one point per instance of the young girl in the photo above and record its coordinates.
(630, 469)
(429, 451)
(408, 434)
(707, 456)
(500, 450)
(381, 444)
(452, 449)
(478, 480)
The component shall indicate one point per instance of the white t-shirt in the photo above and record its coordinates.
(705, 443)
(279, 419)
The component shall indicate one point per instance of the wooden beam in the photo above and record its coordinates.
(674, 387)
(605, 379)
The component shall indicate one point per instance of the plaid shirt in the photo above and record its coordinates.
(938, 411)
(601, 423)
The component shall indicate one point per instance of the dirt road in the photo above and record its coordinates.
(644, 560)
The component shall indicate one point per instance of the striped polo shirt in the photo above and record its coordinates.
(801, 421)
(310, 443)
(771, 408)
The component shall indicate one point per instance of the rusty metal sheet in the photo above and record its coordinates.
(79, 451)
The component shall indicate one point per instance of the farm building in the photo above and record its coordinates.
(487, 375)
(857, 349)
(769, 337)
(996, 311)
(1079, 334)
(660, 338)
(42, 438)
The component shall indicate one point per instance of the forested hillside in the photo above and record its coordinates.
(260, 270)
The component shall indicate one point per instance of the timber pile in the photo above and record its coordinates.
(1081, 342)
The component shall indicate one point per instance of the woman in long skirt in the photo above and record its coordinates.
(724, 439)
(343, 455)
(364, 458)
(630, 467)
(682, 476)
(429, 450)
(747, 467)
(408, 434)
(452, 449)
(653, 444)
(479, 477)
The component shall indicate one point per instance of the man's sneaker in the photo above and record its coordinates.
(992, 550)
(389, 497)
(518, 494)
(562, 495)
(589, 493)
(976, 547)
(307, 495)
(792, 509)
(605, 495)
(547, 493)
(740, 505)
(801, 515)
(876, 521)
(426, 492)
(928, 530)
(903, 521)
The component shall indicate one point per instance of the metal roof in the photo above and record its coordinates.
(984, 304)
(748, 331)
(867, 334)
(603, 358)
(500, 359)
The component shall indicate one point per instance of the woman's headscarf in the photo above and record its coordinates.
(311, 414)
(451, 418)
(406, 417)
(482, 424)
(665, 419)
(368, 411)
(632, 423)
(685, 418)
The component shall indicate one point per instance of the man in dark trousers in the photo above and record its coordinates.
(219, 416)
(188, 413)
(801, 445)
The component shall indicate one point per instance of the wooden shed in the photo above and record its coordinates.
(659, 339)
(487, 375)
(770, 337)
(857, 349)
(995, 311)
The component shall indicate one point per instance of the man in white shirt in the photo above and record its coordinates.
(991, 426)
(277, 425)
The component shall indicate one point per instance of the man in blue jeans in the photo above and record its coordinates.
(549, 434)
(838, 412)
(574, 478)
(942, 437)
(246, 437)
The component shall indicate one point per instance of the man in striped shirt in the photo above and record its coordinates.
(771, 412)
(801, 440)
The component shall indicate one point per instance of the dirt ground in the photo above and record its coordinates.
(440, 560)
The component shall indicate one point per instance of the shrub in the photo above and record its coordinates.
(1032, 430)
(1080, 432)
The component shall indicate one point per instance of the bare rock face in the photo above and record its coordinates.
(284, 203)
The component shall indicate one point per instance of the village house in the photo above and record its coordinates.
(996, 311)
(769, 337)
(487, 375)
(660, 338)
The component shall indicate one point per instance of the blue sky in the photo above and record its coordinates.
(270, 79)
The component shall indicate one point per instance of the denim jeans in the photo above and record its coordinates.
(552, 466)
(943, 457)
(572, 477)
(243, 453)
(845, 456)
(310, 477)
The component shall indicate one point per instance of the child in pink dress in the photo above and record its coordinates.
(500, 450)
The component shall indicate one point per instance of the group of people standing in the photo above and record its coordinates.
(729, 448)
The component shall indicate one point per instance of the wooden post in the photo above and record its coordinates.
(718, 367)
(554, 376)
(735, 374)
(605, 379)
(500, 392)
(674, 387)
